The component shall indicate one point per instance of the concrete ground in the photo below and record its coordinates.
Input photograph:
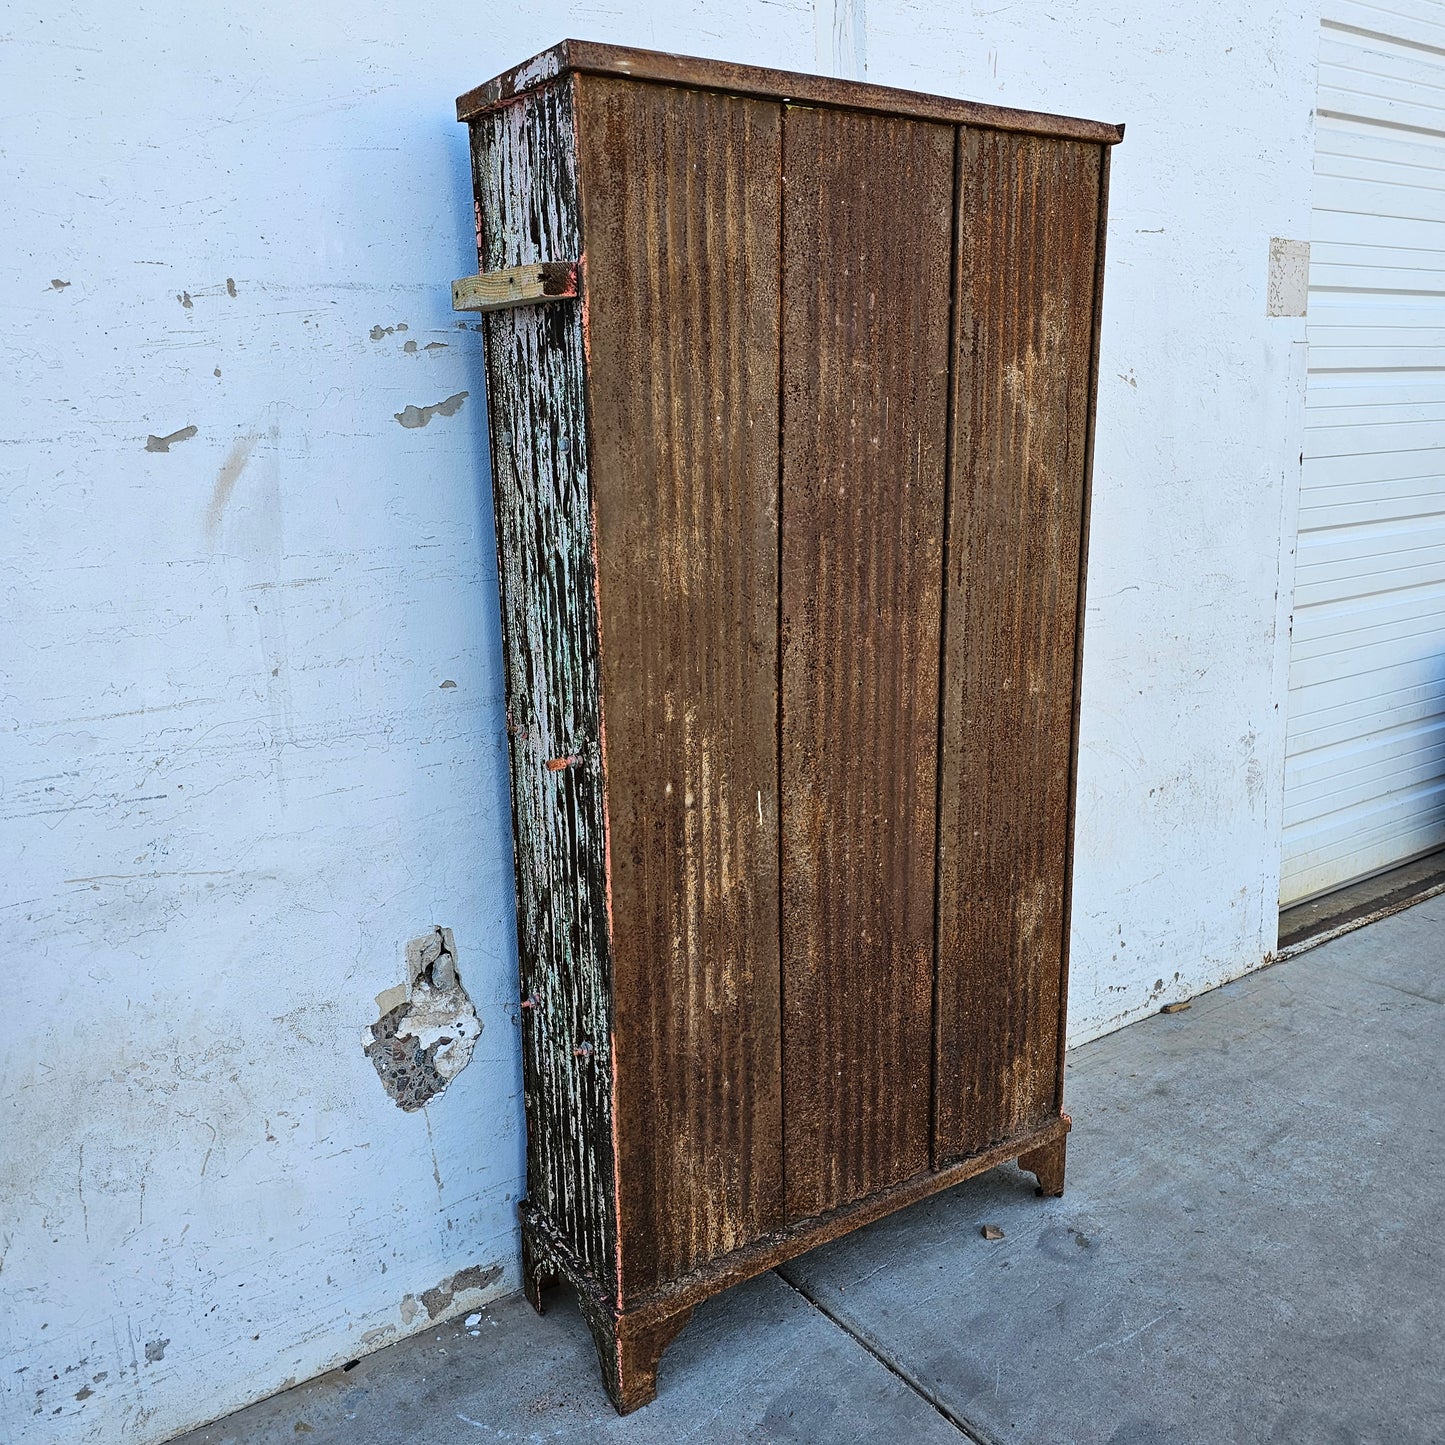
(1251, 1248)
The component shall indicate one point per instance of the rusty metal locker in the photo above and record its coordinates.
(790, 384)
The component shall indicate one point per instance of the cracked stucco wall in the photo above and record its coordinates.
(251, 735)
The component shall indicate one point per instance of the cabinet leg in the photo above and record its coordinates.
(1047, 1166)
(629, 1345)
(629, 1352)
(537, 1273)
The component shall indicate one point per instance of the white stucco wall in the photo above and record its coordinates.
(235, 776)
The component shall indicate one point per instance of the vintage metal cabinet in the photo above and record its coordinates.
(790, 384)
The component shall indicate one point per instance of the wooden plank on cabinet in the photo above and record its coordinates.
(516, 286)
(1024, 315)
(524, 168)
(867, 220)
(680, 225)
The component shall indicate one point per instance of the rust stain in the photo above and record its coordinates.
(227, 478)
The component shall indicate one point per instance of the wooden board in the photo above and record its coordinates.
(1024, 319)
(516, 286)
(680, 223)
(526, 186)
(866, 243)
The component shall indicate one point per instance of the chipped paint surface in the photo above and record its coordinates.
(525, 173)
(234, 781)
(164, 444)
(457, 1291)
(416, 416)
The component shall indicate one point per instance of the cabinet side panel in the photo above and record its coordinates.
(680, 204)
(525, 175)
(1027, 219)
(866, 247)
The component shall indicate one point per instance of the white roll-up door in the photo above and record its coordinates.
(1365, 770)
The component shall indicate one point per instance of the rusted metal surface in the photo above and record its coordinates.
(553, 1260)
(1021, 371)
(589, 58)
(1101, 230)
(1046, 1164)
(525, 179)
(629, 1343)
(867, 218)
(680, 212)
(791, 512)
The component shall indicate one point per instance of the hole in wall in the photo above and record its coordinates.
(425, 1037)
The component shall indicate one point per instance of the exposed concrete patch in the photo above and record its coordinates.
(475, 1276)
(414, 416)
(163, 444)
(155, 1350)
(377, 332)
(425, 1037)
(230, 286)
(58, 284)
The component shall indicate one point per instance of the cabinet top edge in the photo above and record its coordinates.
(586, 57)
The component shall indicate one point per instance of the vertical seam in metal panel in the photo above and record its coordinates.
(1100, 235)
(778, 683)
(955, 267)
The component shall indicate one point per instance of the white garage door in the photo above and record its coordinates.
(1365, 771)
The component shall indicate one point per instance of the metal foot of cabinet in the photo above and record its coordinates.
(790, 384)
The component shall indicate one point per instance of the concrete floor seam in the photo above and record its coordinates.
(966, 1428)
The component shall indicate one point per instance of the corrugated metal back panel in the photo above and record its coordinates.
(680, 222)
(1365, 771)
